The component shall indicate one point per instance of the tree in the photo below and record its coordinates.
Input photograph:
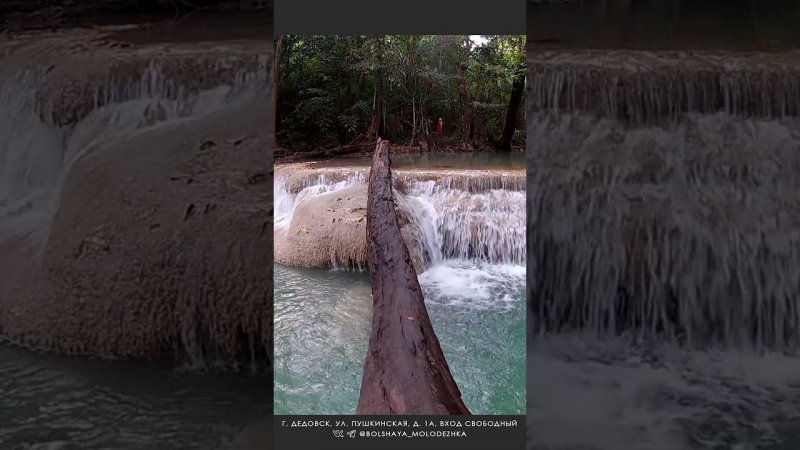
(517, 89)
(334, 91)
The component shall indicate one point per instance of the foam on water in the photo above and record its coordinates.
(323, 323)
(478, 286)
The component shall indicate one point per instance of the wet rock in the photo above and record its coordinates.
(197, 289)
(329, 231)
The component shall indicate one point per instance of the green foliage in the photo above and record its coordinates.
(519, 136)
(333, 89)
(315, 111)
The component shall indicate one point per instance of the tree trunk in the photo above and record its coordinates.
(517, 89)
(466, 106)
(377, 128)
(360, 87)
(412, 68)
(405, 370)
(276, 78)
(340, 150)
(413, 122)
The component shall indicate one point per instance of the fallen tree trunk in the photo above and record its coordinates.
(405, 371)
(329, 152)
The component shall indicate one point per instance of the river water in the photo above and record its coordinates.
(664, 238)
(474, 290)
(61, 402)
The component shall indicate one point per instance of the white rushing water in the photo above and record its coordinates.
(462, 223)
(692, 231)
(664, 234)
(456, 224)
(286, 201)
(651, 87)
(474, 242)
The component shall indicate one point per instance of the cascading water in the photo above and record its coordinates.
(653, 87)
(486, 227)
(467, 226)
(285, 200)
(31, 155)
(40, 141)
(663, 226)
(460, 217)
(66, 99)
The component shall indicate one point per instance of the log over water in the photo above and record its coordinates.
(405, 371)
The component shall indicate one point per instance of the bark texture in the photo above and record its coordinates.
(405, 370)
(517, 89)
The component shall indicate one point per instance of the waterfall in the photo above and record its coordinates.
(664, 196)
(456, 224)
(69, 98)
(653, 87)
(52, 117)
(31, 155)
(476, 216)
(286, 200)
